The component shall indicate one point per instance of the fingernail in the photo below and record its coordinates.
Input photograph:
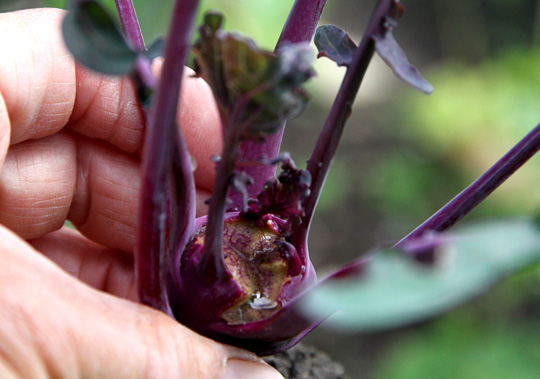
(237, 369)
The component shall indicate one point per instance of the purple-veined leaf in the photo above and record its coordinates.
(390, 51)
(269, 83)
(335, 44)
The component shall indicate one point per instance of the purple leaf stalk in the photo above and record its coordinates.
(239, 274)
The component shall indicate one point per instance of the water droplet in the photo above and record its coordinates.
(257, 301)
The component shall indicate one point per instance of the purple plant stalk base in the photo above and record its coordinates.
(262, 335)
(167, 186)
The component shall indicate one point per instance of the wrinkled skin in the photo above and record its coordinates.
(69, 149)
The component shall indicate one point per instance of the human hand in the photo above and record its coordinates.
(70, 143)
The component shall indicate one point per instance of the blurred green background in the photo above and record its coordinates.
(404, 155)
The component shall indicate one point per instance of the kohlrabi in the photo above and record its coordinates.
(242, 274)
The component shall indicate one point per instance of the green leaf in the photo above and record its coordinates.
(274, 82)
(93, 38)
(395, 290)
(245, 66)
(335, 44)
(238, 70)
(155, 50)
(208, 57)
(55, 3)
(213, 20)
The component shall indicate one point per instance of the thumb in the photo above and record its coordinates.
(52, 325)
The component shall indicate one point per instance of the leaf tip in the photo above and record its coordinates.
(394, 56)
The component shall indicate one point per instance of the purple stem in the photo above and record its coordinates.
(302, 22)
(326, 146)
(154, 244)
(299, 27)
(143, 76)
(130, 24)
(212, 264)
(470, 197)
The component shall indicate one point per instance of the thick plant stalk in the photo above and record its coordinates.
(157, 236)
(299, 27)
(470, 197)
(212, 265)
(302, 22)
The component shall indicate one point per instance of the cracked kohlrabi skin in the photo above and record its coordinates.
(263, 267)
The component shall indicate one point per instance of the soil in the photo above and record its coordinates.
(306, 362)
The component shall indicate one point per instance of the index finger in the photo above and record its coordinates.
(42, 90)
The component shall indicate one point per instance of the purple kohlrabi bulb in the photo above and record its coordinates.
(251, 303)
